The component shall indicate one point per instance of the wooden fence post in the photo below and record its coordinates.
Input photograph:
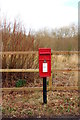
(50, 82)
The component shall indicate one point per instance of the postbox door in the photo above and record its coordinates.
(44, 62)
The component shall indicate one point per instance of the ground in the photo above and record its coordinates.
(30, 104)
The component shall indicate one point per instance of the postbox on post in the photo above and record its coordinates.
(44, 68)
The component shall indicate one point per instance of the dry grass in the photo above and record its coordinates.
(58, 61)
(65, 62)
(14, 38)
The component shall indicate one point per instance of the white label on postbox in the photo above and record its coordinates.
(45, 69)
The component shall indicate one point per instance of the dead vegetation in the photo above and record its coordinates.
(14, 38)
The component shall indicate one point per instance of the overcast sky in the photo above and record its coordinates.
(39, 14)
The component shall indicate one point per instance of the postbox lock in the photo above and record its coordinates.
(44, 61)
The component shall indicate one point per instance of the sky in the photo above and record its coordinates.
(40, 14)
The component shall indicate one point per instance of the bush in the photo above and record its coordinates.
(20, 83)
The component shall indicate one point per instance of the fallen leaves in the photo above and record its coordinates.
(30, 104)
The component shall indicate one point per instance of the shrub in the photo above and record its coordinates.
(20, 83)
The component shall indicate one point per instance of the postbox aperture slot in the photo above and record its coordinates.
(44, 53)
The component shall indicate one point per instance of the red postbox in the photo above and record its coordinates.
(44, 62)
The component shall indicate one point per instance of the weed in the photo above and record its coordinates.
(29, 112)
(3, 110)
(50, 110)
(11, 109)
(47, 82)
(68, 109)
(20, 83)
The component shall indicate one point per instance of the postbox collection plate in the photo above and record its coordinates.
(44, 62)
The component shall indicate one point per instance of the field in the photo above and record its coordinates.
(30, 103)
(13, 38)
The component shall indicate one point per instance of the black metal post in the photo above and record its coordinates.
(44, 91)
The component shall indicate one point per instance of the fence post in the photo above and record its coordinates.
(50, 82)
